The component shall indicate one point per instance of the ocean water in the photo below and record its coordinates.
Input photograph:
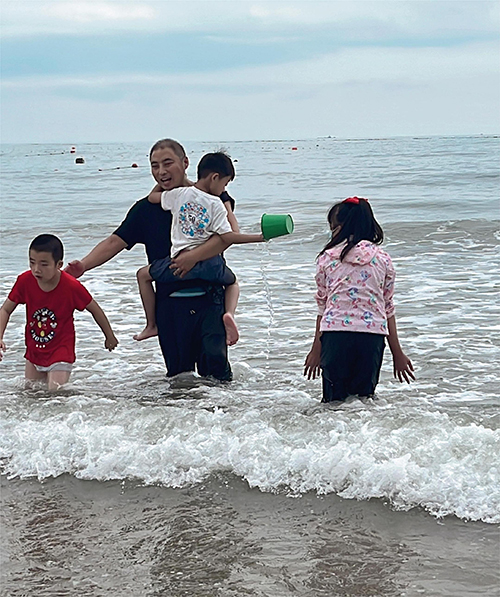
(255, 486)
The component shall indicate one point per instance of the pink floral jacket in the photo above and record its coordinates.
(355, 294)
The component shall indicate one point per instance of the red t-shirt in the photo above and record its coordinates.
(50, 331)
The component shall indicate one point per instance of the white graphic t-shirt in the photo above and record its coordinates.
(196, 216)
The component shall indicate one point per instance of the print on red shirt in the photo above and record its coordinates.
(43, 326)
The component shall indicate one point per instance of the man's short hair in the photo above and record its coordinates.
(218, 162)
(48, 243)
(175, 146)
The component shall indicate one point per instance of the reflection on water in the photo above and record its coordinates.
(80, 538)
(360, 563)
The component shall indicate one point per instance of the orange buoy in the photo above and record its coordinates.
(294, 149)
(134, 165)
(73, 149)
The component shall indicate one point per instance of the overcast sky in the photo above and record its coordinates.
(92, 71)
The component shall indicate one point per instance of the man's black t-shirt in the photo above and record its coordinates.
(147, 224)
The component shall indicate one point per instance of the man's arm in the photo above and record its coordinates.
(101, 253)
(186, 260)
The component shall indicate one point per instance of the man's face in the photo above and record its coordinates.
(168, 169)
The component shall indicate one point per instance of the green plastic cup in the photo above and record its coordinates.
(276, 225)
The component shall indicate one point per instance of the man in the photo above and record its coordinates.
(190, 328)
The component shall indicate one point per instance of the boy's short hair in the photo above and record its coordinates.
(216, 163)
(48, 243)
(175, 146)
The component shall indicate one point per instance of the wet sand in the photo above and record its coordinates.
(86, 538)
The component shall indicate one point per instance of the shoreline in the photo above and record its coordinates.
(223, 538)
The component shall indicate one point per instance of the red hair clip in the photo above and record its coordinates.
(354, 200)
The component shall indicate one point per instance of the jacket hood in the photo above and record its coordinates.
(361, 254)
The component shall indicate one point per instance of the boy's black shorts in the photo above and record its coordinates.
(350, 363)
(212, 270)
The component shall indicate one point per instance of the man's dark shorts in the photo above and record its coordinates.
(192, 335)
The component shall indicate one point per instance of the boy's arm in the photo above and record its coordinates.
(155, 195)
(5, 312)
(402, 366)
(231, 217)
(312, 363)
(236, 238)
(102, 321)
(101, 253)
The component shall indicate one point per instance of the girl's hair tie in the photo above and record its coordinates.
(354, 200)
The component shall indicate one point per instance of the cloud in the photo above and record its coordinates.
(347, 65)
(91, 12)
(358, 20)
(145, 113)
(100, 70)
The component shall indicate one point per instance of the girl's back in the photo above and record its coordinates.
(357, 293)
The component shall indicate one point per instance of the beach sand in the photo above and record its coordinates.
(72, 537)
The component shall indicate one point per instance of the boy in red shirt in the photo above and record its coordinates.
(51, 296)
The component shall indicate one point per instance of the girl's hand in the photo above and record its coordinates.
(403, 368)
(312, 363)
(3, 348)
(111, 343)
(183, 263)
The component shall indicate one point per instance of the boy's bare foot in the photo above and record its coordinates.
(232, 334)
(147, 332)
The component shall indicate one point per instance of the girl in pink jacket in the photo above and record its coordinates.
(355, 287)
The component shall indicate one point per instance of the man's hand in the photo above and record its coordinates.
(183, 263)
(75, 268)
(3, 348)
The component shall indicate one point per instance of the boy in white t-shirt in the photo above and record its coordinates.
(197, 214)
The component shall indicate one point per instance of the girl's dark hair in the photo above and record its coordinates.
(50, 244)
(352, 220)
(216, 163)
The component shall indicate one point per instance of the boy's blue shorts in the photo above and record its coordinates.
(212, 270)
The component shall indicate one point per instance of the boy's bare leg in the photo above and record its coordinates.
(32, 374)
(231, 301)
(149, 303)
(56, 379)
